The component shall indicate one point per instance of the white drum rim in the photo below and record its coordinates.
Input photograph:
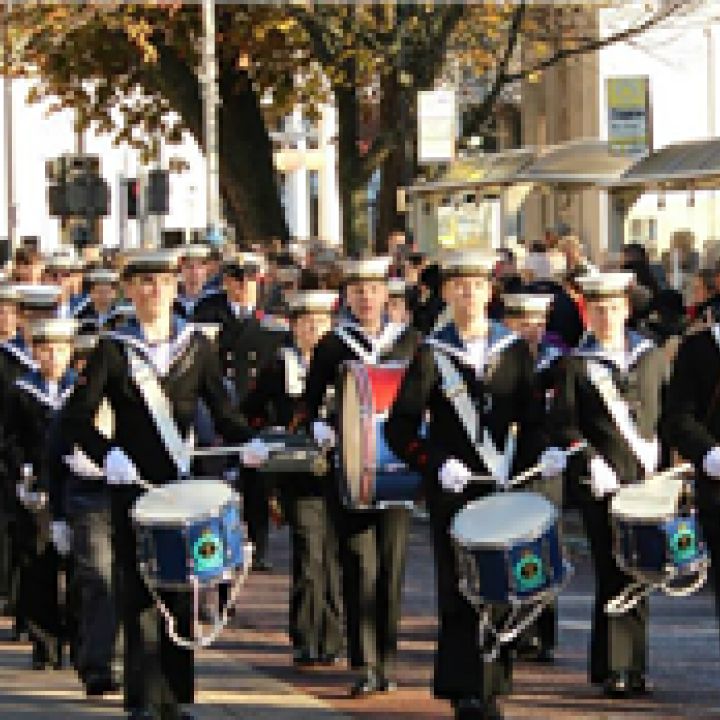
(144, 520)
(529, 536)
(617, 512)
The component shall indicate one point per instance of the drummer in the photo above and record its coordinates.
(526, 315)
(373, 543)
(490, 372)
(33, 406)
(315, 605)
(609, 395)
(152, 370)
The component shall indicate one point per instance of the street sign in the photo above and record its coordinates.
(629, 117)
(437, 126)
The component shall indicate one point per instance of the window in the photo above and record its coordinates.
(314, 198)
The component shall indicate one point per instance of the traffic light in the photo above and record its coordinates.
(158, 192)
(76, 187)
(132, 193)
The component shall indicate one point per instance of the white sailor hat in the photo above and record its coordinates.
(242, 264)
(102, 276)
(38, 297)
(140, 262)
(522, 304)
(545, 265)
(64, 262)
(369, 268)
(605, 284)
(53, 329)
(8, 293)
(194, 251)
(397, 287)
(459, 263)
(312, 301)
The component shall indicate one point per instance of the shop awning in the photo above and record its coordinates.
(487, 173)
(583, 162)
(681, 166)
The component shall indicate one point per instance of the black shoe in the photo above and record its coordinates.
(640, 685)
(616, 685)
(100, 683)
(40, 658)
(367, 685)
(304, 658)
(476, 709)
(387, 685)
(262, 565)
(329, 659)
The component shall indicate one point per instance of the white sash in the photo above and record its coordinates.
(157, 404)
(295, 372)
(387, 339)
(618, 409)
(456, 392)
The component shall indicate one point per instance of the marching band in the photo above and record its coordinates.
(339, 411)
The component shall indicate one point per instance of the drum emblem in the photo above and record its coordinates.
(208, 552)
(683, 543)
(529, 571)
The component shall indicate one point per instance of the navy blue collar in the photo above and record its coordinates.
(636, 346)
(133, 329)
(38, 386)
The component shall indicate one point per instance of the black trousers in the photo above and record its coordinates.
(158, 674)
(461, 667)
(709, 514)
(617, 643)
(373, 550)
(315, 601)
(94, 586)
(256, 493)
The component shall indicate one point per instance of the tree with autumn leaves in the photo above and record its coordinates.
(130, 69)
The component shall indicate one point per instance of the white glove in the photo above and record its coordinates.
(120, 469)
(603, 480)
(21, 493)
(61, 536)
(323, 434)
(650, 455)
(454, 475)
(254, 454)
(553, 462)
(711, 462)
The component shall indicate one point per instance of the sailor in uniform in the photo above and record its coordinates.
(610, 396)
(526, 314)
(193, 276)
(373, 542)
(152, 372)
(102, 288)
(33, 409)
(691, 425)
(65, 270)
(315, 605)
(246, 344)
(469, 383)
(398, 310)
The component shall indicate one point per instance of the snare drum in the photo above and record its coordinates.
(654, 536)
(508, 548)
(189, 531)
(371, 475)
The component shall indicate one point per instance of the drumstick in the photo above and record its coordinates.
(538, 467)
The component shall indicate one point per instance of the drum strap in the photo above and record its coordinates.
(601, 379)
(457, 394)
(157, 404)
(295, 372)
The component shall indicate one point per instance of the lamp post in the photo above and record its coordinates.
(8, 139)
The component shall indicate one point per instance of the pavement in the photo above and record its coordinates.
(248, 673)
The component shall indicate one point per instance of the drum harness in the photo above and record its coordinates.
(522, 613)
(158, 405)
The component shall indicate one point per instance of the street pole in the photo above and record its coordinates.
(211, 103)
(8, 140)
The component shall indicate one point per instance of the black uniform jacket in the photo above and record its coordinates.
(501, 395)
(193, 374)
(691, 416)
(246, 343)
(90, 319)
(396, 344)
(579, 411)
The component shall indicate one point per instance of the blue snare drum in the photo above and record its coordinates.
(655, 537)
(508, 548)
(189, 531)
(371, 475)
